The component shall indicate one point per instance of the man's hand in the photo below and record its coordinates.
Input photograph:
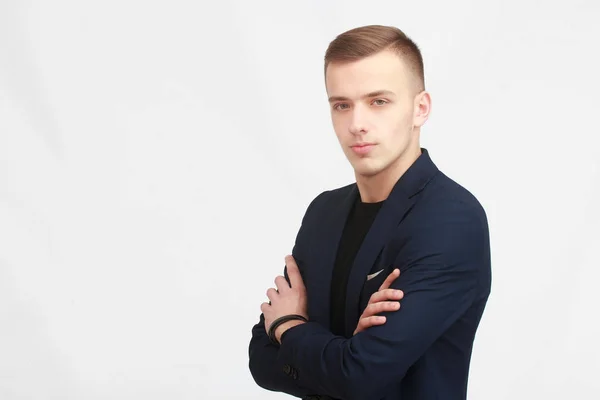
(286, 299)
(385, 299)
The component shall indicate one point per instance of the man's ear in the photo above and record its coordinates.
(422, 108)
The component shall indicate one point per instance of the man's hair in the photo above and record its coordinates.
(364, 41)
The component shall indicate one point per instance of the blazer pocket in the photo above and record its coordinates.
(372, 283)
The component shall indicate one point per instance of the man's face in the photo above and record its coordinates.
(376, 111)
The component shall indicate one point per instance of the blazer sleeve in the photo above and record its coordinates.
(268, 369)
(441, 264)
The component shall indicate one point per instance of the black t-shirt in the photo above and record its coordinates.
(357, 225)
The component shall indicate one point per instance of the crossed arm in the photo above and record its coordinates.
(264, 353)
(440, 284)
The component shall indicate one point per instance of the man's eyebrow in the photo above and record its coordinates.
(366, 96)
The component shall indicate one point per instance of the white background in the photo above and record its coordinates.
(156, 159)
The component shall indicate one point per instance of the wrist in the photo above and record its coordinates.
(281, 329)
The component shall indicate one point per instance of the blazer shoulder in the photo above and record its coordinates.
(331, 196)
(447, 223)
(447, 194)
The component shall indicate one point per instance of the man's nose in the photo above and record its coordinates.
(358, 123)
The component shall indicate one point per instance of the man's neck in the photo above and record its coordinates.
(378, 187)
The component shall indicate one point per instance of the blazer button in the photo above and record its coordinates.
(287, 370)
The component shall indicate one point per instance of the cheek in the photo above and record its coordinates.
(340, 127)
(402, 122)
(392, 124)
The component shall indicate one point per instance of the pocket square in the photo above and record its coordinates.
(373, 275)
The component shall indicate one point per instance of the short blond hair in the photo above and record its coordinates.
(364, 41)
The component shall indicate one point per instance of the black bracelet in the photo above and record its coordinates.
(280, 321)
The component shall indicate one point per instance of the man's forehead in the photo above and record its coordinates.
(357, 80)
(356, 87)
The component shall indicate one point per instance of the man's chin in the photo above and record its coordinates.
(366, 171)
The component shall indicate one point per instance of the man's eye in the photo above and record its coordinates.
(380, 102)
(340, 106)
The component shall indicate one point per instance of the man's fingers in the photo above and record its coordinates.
(386, 294)
(293, 272)
(368, 322)
(281, 283)
(370, 318)
(391, 278)
(384, 300)
(371, 321)
(382, 306)
(271, 293)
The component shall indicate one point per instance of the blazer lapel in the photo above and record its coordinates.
(326, 246)
(393, 210)
(388, 218)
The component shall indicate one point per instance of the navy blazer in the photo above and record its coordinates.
(436, 232)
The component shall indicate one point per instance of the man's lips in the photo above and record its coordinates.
(362, 148)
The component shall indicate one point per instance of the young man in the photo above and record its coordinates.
(403, 233)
